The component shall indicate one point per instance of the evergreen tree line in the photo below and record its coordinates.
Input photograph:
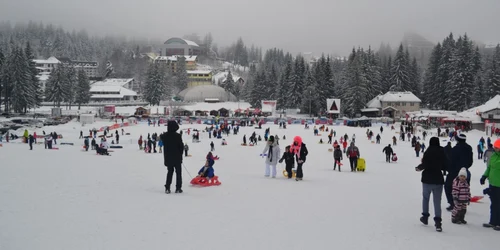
(295, 83)
(162, 83)
(455, 77)
(66, 85)
(19, 86)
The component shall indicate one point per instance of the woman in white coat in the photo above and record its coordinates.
(272, 154)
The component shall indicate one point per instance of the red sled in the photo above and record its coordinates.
(339, 163)
(205, 182)
(394, 158)
(476, 198)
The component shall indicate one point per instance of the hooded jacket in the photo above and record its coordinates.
(173, 145)
(461, 157)
(273, 153)
(352, 150)
(388, 150)
(433, 163)
(299, 150)
(493, 170)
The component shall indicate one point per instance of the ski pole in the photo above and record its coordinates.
(187, 171)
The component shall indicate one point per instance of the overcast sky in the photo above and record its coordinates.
(330, 26)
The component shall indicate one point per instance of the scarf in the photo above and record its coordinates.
(295, 149)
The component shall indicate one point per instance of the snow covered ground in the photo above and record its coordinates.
(69, 199)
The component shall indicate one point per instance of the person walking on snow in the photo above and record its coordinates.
(394, 141)
(212, 146)
(492, 173)
(378, 138)
(353, 154)
(417, 148)
(289, 159)
(186, 149)
(388, 153)
(461, 197)
(480, 150)
(433, 163)
(337, 157)
(31, 139)
(461, 157)
(172, 155)
(272, 153)
(299, 149)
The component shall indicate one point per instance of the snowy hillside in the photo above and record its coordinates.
(70, 199)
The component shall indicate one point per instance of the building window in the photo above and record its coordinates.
(403, 104)
(389, 104)
(412, 104)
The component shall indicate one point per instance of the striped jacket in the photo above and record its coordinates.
(461, 191)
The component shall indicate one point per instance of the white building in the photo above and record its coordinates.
(392, 104)
(48, 65)
(113, 90)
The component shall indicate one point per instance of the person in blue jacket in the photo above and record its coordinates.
(207, 170)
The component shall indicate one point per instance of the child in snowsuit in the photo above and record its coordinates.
(212, 146)
(461, 197)
(337, 157)
(186, 149)
(207, 170)
(289, 159)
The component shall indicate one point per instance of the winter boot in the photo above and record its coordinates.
(450, 208)
(488, 225)
(425, 218)
(438, 224)
(497, 228)
(462, 216)
(167, 190)
(178, 191)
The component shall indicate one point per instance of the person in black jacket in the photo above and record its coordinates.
(172, 154)
(388, 153)
(337, 157)
(433, 162)
(289, 159)
(461, 157)
(447, 151)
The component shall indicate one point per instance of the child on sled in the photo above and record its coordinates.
(207, 170)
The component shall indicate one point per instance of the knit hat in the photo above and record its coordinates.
(496, 144)
(463, 172)
(271, 138)
(461, 137)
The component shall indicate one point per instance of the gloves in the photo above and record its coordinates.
(482, 180)
(280, 161)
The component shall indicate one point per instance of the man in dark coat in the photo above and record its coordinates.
(447, 151)
(388, 153)
(461, 157)
(172, 154)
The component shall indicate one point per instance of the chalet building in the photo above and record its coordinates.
(392, 104)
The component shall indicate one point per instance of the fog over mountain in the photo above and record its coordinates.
(294, 25)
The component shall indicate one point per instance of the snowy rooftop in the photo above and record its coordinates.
(50, 60)
(222, 76)
(492, 104)
(216, 106)
(175, 58)
(392, 97)
(113, 82)
(199, 71)
(112, 89)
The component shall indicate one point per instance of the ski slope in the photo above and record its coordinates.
(69, 199)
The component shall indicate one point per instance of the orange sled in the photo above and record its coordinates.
(205, 182)
(476, 198)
